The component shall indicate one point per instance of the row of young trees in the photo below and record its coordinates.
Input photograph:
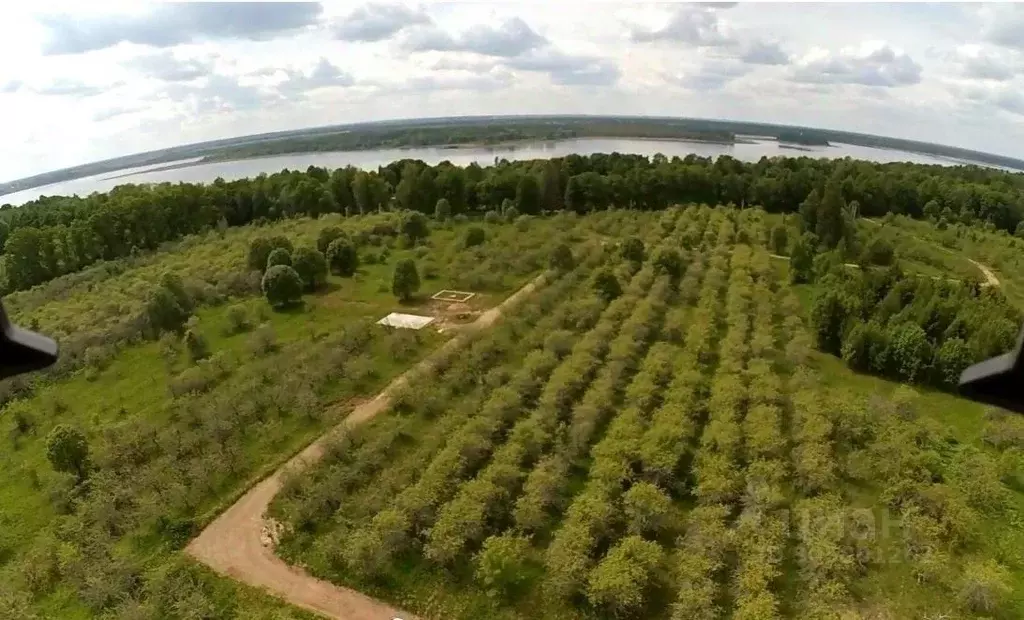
(57, 235)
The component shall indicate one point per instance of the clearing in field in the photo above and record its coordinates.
(456, 296)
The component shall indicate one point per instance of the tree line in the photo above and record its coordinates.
(53, 236)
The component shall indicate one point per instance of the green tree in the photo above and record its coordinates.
(552, 195)
(561, 258)
(415, 225)
(828, 318)
(829, 223)
(575, 196)
(442, 210)
(801, 260)
(780, 239)
(311, 266)
(326, 236)
(406, 280)
(260, 249)
(646, 508)
(909, 351)
(878, 252)
(501, 564)
(952, 357)
(528, 197)
(620, 581)
(985, 586)
(282, 286)
(607, 285)
(279, 256)
(633, 250)
(342, 258)
(809, 211)
(68, 450)
(196, 344)
(474, 236)
(669, 262)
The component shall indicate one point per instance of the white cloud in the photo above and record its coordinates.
(873, 63)
(94, 83)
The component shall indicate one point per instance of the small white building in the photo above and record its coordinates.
(406, 321)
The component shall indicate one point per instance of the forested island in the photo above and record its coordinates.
(494, 130)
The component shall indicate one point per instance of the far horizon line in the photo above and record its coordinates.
(471, 117)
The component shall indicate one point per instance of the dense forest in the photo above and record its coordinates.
(58, 235)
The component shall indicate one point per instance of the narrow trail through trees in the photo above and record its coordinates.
(235, 543)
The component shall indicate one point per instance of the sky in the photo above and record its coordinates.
(87, 81)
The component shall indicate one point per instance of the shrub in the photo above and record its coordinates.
(442, 210)
(492, 217)
(633, 250)
(282, 286)
(474, 236)
(415, 226)
(260, 249)
(279, 256)
(263, 340)
(406, 280)
(607, 285)
(327, 236)
(878, 252)
(343, 258)
(67, 450)
(561, 258)
(984, 587)
(669, 262)
(909, 351)
(195, 344)
(779, 239)
(501, 564)
(237, 319)
(311, 266)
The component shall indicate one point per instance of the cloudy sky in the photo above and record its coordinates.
(79, 84)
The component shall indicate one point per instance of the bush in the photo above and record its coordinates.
(909, 351)
(237, 320)
(607, 285)
(984, 587)
(282, 286)
(415, 226)
(196, 345)
(474, 236)
(260, 249)
(801, 261)
(501, 564)
(279, 256)
(263, 340)
(327, 236)
(669, 262)
(442, 210)
(406, 280)
(311, 267)
(492, 217)
(343, 258)
(67, 450)
(779, 239)
(633, 250)
(561, 258)
(878, 252)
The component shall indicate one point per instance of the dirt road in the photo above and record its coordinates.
(233, 544)
(990, 278)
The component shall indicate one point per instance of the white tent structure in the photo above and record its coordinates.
(406, 321)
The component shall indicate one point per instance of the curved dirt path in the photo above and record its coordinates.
(990, 277)
(234, 543)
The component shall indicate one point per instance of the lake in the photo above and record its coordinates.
(371, 159)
